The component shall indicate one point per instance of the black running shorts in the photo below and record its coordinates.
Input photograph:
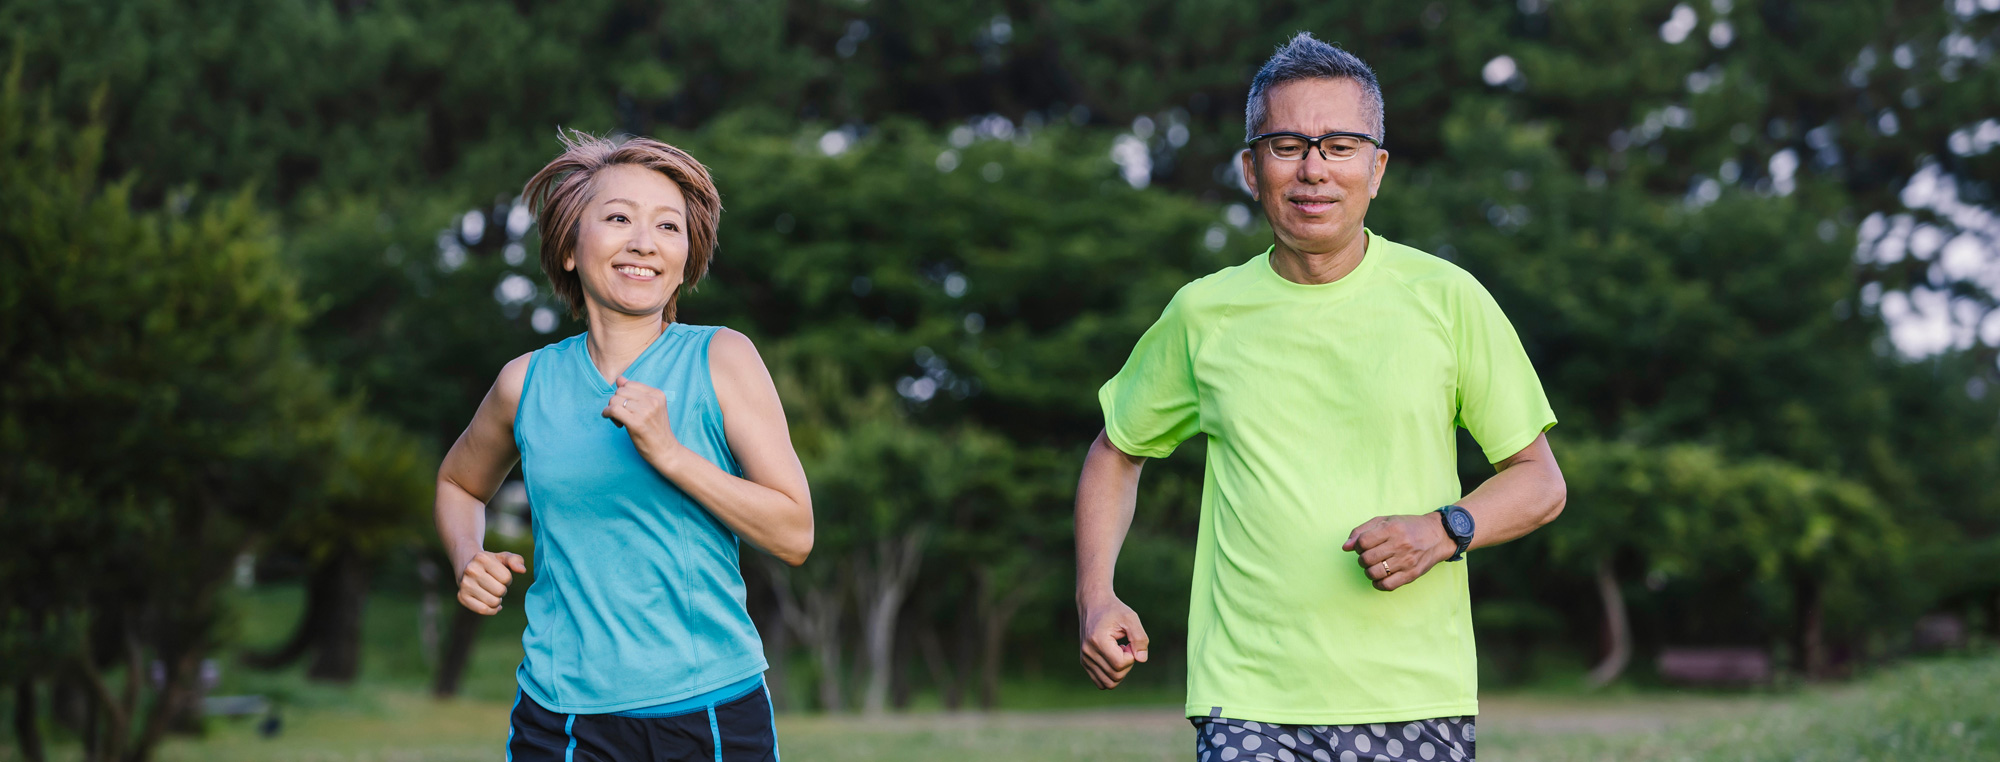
(737, 731)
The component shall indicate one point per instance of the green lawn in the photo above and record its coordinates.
(1937, 709)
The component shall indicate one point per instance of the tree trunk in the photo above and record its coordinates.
(968, 647)
(457, 651)
(996, 612)
(814, 616)
(430, 610)
(821, 631)
(176, 694)
(952, 689)
(27, 731)
(107, 724)
(884, 584)
(306, 634)
(1617, 628)
(902, 686)
(1811, 628)
(337, 654)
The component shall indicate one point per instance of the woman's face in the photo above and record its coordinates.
(632, 248)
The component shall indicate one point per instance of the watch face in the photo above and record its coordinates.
(1461, 523)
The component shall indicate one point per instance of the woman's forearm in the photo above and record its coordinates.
(769, 519)
(461, 523)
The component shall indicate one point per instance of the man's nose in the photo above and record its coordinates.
(1314, 168)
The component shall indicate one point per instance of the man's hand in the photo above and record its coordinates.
(1105, 623)
(642, 411)
(484, 580)
(1395, 550)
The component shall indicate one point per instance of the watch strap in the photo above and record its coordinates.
(1444, 517)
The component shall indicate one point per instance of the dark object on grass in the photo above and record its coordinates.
(1937, 632)
(271, 725)
(1715, 666)
(234, 706)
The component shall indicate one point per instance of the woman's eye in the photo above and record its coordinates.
(669, 226)
(617, 218)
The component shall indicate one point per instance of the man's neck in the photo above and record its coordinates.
(1315, 268)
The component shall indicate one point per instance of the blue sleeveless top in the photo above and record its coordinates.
(637, 599)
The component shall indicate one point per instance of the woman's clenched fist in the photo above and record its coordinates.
(484, 580)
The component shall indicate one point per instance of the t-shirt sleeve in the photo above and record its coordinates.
(1500, 398)
(1151, 406)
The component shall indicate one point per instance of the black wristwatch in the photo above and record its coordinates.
(1458, 526)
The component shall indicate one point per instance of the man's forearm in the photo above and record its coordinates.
(1105, 496)
(1527, 493)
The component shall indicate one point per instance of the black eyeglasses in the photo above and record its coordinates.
(1333, 146)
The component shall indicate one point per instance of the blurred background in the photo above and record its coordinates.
(262, 260)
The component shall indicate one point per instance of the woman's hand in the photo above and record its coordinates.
(484, 580)
(642, 411)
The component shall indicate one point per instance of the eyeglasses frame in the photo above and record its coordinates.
(1313, 143)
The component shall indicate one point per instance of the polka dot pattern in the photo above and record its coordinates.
(1220, 739)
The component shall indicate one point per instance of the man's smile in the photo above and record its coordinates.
(1312, 204)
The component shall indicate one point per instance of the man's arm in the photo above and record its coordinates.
(1105, 497)
(1527, 492)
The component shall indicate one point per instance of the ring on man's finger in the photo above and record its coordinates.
(1385, 568)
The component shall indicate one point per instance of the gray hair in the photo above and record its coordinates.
(1305, 57)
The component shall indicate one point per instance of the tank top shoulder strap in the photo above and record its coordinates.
(542, 364)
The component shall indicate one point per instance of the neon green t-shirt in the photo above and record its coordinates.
(1325, 406)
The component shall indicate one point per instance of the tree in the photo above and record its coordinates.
(375, 498)
(1688, 515)
(152, 401)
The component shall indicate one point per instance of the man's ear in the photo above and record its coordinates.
(1381, 169)
(1247, 170)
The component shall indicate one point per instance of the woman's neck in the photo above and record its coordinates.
(616, 339)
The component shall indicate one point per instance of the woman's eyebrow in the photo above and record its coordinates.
(635, 205)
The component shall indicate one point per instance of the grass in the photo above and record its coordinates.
(1941, 709)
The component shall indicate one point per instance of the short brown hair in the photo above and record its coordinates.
(558, 194)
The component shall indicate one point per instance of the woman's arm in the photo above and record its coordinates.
(772, 506)
(471, 473)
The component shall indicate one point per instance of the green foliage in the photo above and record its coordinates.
(1700, 525)
(941, 297)
(158, 415)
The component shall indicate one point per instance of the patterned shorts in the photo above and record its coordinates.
(1445, 739)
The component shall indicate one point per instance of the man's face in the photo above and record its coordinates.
(1314, 205)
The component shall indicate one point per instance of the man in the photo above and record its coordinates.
(1327, 620)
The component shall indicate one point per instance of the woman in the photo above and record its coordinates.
(649, 448)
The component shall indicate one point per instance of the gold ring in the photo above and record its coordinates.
(1385, 568)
